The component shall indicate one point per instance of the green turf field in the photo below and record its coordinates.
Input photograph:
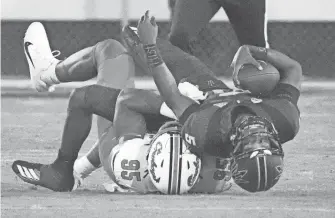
(31, 130)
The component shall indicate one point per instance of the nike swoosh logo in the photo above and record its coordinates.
(26, 45)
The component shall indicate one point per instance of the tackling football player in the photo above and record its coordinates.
(248, 129)
(113, 66)
(101, 60)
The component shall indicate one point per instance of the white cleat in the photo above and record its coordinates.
(40, 58)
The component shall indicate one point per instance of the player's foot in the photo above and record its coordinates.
(57, 176)
(41, 59)
(134, 45)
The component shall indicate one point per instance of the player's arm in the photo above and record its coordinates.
(128, 119)
(290, 70)
(164, 80)
(169, 91)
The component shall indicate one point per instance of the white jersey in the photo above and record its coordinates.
(129, 166)
(129, 170)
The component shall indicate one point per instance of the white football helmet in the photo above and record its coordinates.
(172, 168)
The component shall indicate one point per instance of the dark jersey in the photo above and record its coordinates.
(206, 127)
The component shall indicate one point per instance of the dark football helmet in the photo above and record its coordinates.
(257, 159)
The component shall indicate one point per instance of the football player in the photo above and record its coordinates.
(249, 130)
(248, 19)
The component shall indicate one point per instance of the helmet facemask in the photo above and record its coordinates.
(254, 134)
(257, 157)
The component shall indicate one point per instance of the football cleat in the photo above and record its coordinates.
(134, 46)
(41, 60)
(56, 176)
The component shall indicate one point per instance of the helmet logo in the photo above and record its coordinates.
(191, 179)
(238, 175)
(158, 150)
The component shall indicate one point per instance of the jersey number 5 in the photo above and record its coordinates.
(130, 165)
(190, 139)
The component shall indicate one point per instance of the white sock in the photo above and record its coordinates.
(83, 167)
(53, 76)
(50, 76)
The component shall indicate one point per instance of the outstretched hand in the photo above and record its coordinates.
(243, 56)
(147, 29)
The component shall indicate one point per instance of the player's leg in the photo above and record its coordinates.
(248, 19)
(46, 70)
(189, 17)
(181, 64)
(114, 73)
(184, 66)
(108, 60)
(171, 4)
(83, 103)
(116, 70)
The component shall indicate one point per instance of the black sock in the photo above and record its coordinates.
(83, 103)
(77, 127)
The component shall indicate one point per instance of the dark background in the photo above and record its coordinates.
(311, 43)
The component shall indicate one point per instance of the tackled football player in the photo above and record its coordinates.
(249, 130)
(67, 161)
(229, 124)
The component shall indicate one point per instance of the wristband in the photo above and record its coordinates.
(153, 57)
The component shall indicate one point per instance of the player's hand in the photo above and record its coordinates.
(243, 56)
(147, 29)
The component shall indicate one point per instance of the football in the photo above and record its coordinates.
(258, 82)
